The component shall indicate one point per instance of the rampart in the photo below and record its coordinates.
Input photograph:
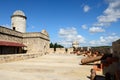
(16, 57)
(36, 42)
(112, 65)
(36, 34)
(7, 34)
(60, 50)
(116, 48)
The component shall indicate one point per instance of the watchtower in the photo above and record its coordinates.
(18, 21)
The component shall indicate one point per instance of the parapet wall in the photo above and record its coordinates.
(104, 50)
(116, 48)
(17, 57)
(113, 63)
(60, 50)
(7, 34)
(36, 42)
(35, 34)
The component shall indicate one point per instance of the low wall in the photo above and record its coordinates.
(51, 50)
(17, 57)
(60, 50)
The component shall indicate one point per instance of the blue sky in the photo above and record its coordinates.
(90, 22)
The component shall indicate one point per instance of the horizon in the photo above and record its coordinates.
(91, 23)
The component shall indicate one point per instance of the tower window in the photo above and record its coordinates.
(13, 28)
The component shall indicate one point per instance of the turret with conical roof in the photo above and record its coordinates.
(18, 21)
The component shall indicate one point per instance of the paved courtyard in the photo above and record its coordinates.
(47, 67)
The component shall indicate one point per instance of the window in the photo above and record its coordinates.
(13, 28)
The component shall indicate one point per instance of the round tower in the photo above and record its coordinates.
(18, 21)
(75, 44)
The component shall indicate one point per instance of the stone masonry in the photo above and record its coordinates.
(36, 42)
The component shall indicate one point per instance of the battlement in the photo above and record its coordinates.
(7, 31)
(35, 35)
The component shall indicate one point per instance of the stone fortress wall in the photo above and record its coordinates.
(116, 53)
(116, 48)
(113, 67)
(61, 50)
(7, 34)
(17, 57)
(37, 42)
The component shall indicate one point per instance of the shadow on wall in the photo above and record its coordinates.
(111, 67)
(4, 50)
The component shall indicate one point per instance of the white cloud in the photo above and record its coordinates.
(96, 29)
(86, 8)
(69, 31)
(101, 24)
(111, 14)
(69, 35)
(104, 40)
(65, 43)
(84, 26)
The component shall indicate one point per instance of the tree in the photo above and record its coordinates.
(60, 46)
(51, 45)
(55, 45)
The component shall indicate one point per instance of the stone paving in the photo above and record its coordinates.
(47, 67)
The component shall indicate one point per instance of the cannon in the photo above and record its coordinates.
(80, 53)
(90, 59)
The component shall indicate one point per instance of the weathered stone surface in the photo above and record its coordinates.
(35, 42)
(18, 21)
(47, 67)
(10, 35)
(116, 48)
(17, 57)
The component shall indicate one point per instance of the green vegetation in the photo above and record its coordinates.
(55, 45)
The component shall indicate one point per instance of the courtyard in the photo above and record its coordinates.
(46, 67)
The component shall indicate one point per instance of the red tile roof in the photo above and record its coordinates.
(14, 44)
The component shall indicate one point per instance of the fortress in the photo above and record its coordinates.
(19, 45)
(17, 40)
